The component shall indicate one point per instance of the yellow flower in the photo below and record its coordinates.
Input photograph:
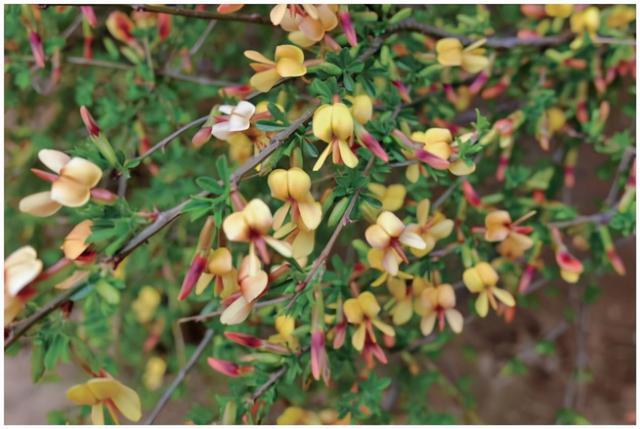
(252, 283)
(333, 124)
(375, 257)
(482, 279)
(391, 197)
(293, 187)
(145, 305)
(298, 416)
(388, 234)
(285, 325)
(499, 227)
(71, 185)
(437, 303)
(363, 312)
(20, 269)
(361, 108)
(106, 391)
(558, 10)
(289, 62)
(403, 309)
(251, 225)
(438, 142)
(74, 244)
(430, 229)
(154, 373)
(586, 20)
(451, 53)
(219, 268)
(621, 16)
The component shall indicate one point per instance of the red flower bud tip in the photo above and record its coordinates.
(244, 339)
(610, 75)
(403, 90)
(102, 195)
(569, 176)
(87, 51)
(575, 63)
(605, 109)
(331, 43)
(495, 90)
(470, 194)
(89, 15)
(478, 82)
(503, 163)
(228, 368)
(347, 26)
(373, 145)
(538, 196)
(45, 175)
(164, 26)
(372, 350)
(504, 126)
(239, 91)
(36, 47)
(526, 278)
(92, 126)
(566, 261)
(600, 84)
(319, 360)
(616, 261)
(340, 332)
(581, 112)
(509, 313)
(193, 274)
(229, 8)
(450, 93)
(201, 137)
(526, 33)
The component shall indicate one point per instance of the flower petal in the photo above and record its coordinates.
(282, 247)
(390, 223)
(82, 171)
(70, 193)
(368, 304)
(39, 204)
(289, 52)
(257, 57)
(347, 155)
(455, 320)
(53, 159)
(427, 323)
(252, 286)
(353, 311)
(482, 304)
(237, 312)
(235, 227)
(265, 80)
(504, 296)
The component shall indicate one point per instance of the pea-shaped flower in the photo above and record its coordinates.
(233, 119)
(333, 124)
(75, 246)
(437, 303)
(20, 269)
(363, 312)
(293, 187)
(285, 326)
(219, 269)
(431, 229)
(483, 279)
(451, 53)
(514, 241)
(389, 234)
(289, 62)
(391, 197)
(252, 283)
(251, 225)
(405, 296)
(106, 391)
(70, 185)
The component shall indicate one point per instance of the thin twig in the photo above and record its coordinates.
(196, 46)
(165, 141)
(20, 328)
(625, 160)
(597, 218)
(208, 335)
(191, 13)
(273, 379)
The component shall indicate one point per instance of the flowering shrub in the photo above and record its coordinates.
(356, 187)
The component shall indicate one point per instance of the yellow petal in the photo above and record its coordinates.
(402, 312)
(357, 340)
(322, 123)
(353, 311)
(285, 325)
(383, 327)
(252, 286)
(362, 108)
(39, 204)
(70, 193)
(341, 121)
(311, 28)
(390, 262)
(258, 216)
(20, 269)
(446, 296)
(391, 224)
(265, 80)
(460, 168)
(81, 395)
(203, 282)
(377, 237)
(311, 214)
(435, 135)
(277, 13)
(220, 261)
(82, 171)
(411, 239)
(482, 304)
(235, 227)
(413, 173)
(303, 244)
(368, 304)
(327, 17)
(441, 229)
(323, 157)
(75, 242)
(347, 155)
(128, 403)
(449, 52)
(394, 197)
(298, 183)
(487, 274)
(97, 414)
(54, 159)
(289, 52)
(279, 217)
(282, 247)
(236, 313)
(504, 296)
(422, 211)
(257, 57)
(474, 63)
(279, 184)
(427, 323)
(472, 280)
(398, 288)
(455, 320)
(287, 67)
(300, 39)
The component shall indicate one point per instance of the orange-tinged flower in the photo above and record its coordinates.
(333, 124)
(121, 27)
(251, 225)
(106, 391)
(75, 243)
(450, 52)
(226, 8)
(306, 23)
(514, 241)
(483, 279)
(20, 269)
(293, 187)
(252, 283)
(71, 185)
(298, 416)
(430, 229)
(289, 62)
(437, 303)
(438, 148)
(363, 312)
(219, 269)
(570, 266)
(389, 234)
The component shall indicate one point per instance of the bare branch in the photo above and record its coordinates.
(191, 13)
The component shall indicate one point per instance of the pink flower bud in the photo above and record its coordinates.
(229, 8)
(373, 145)
(164, 26)
(526, 278)
(244, 339)
(89, 15)
(470, 194)
(478, 82)
(340, 332)
(616, 261)
(36, 47)
(229, 368)
(239, 91)
(533, 10)
(45, 175)
(503, 164)
(92, 126)
(347, 26)
(201, 137)
(87, 51)
(319, 360)
(102, 195)
(581, 112)
(403, 90)
(191, 278)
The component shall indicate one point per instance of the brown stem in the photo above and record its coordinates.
(191, 13)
